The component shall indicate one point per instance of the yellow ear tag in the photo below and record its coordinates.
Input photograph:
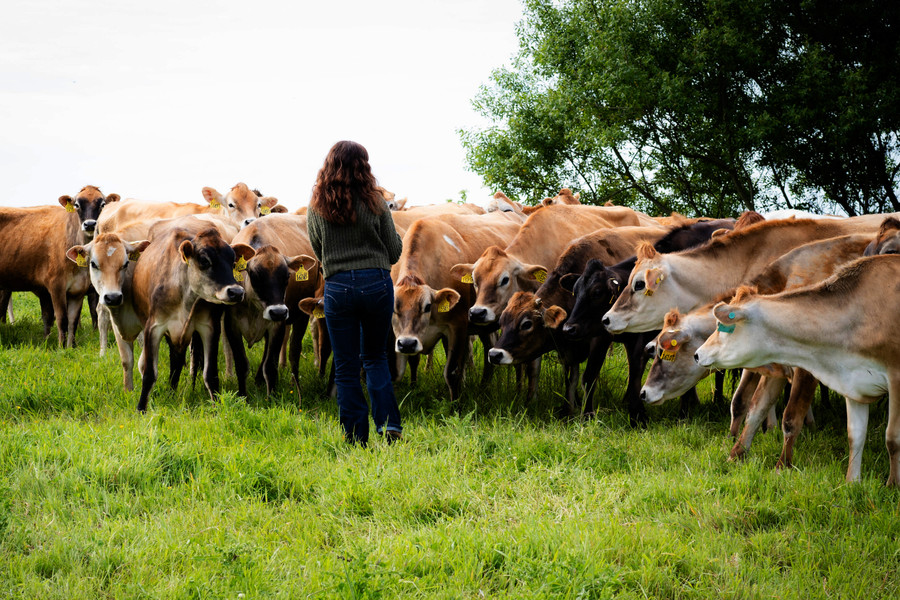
(318, 313)
(214, 203)
(444, 306)
(467, 278)
(541, 275)
(241, 264)
(264, 210)
(302, 274)
(648, 292)
(238, 275)
(70, 207)
(134, 255)
(667, 356)
(81, 260)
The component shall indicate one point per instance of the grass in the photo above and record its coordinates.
(229, 499)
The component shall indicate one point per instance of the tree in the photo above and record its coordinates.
(701, 107)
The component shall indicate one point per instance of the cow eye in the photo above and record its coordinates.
(428, 307)
(639, 285)
(203, 263)
(125, 266)
(504, 280)
(231, 205)
(95, 265)
(526, 326)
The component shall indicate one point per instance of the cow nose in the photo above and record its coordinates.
(247, 222)
(406, 345)
(89, 225)
(495, 356)
(278, 313)
(235, 293)
(112, 299)
(570, 329)
(477, 315)
(697, 357)
(643, 396)
(605, 321)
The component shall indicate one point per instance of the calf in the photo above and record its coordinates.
(35, 256)
(181, 286)
(841, 330)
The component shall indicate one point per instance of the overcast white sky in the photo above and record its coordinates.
(156, 99)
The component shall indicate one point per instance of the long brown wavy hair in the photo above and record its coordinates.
(346, 175)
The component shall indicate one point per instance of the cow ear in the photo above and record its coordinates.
(79, 255)
(719, 232)
(871, 248)
(302, 266)
(134, 249)
(673, 317)
(568, 281)
(462, 272)
(187, 250)
(554, 317)
(652, 278)
(535, 272)
(66, 203)
(269, 201)
(213, 197)
(278, 208)
(113, 197)
(243, 250)
(727, 314)
(446, 299)
(308, 305)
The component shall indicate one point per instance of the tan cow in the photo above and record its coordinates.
(430, 302)
(524, 263)
(842, 330)
(181, 286)
(241, 206)
(687, 280)
(34, 257)
(110, 261)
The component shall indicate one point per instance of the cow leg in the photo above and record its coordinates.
(126, 355)
(210, 339)
(719, 387)
(48, 311)
(596, 357)
(487, 371)
(149, 363)
(857, 424)
(93, 300)
(637, 413)
(270, 357)
(234, 340)
(6, 311)
(454, 370)
(799, 404)
(298, 330)
(892, 432)
(103, 320)
(688, 403)
(767, 391)
(177, 359)
(73, 314)
(740, 401)
(413, 362)
(532, 375)
(285, 343)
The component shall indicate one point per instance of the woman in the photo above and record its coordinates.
(353, 236)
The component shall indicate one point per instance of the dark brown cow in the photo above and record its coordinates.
(34, 259)
(181, 287)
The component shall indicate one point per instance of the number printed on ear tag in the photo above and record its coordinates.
(444, 306)
(467, 278)
(302, 274)
(81, 260)
(70, 207)
(264, 210)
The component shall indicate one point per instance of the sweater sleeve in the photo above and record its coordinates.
(313, 229)
(392, 240)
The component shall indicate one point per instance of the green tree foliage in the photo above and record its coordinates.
(704, 107)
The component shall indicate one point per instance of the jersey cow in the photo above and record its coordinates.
(841, 330)
(35, 260)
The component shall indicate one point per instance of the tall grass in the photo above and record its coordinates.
(262, 499)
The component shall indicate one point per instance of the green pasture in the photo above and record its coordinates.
(262, 499)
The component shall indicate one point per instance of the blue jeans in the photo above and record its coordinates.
(358, 309)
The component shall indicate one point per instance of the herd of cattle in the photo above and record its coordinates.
(797, 300)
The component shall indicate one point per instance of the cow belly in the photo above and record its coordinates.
(859, 378)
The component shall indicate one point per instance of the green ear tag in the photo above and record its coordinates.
(725, 328)
(731, 315)
(467, 278)
(444, 306)
(302, 274)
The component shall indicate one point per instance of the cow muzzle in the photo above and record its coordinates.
(481, 314)
(231, 294)
(247, 222)
(277, 312)
(89, 227)
(408, 345)
(572, 331)
(112, 299)
(496, 356)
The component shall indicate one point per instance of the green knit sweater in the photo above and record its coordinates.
(370, 243)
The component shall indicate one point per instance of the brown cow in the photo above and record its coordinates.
(240, 205)
(34, 259)
(888, 239)
(181, 286)
(430, 302)
(110, 263)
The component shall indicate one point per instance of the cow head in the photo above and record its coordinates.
(738, 340)
(418, 310)
(240, 205)
(643, 304)
(888, 239)
(595, 292)
(212, 265)
(496, 277)
(266, 280)
(674, 370)
(526, 324)
(87, 204)
(110, 261)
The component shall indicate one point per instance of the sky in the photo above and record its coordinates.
(157, 99)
